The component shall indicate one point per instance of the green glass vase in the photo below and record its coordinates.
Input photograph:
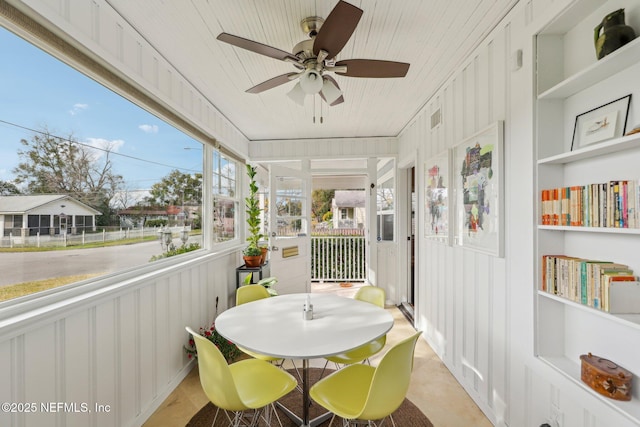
(612, 33)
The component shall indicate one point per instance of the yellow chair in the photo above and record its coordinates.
(373, 295)
(362, 392)
(242, 386)
(250, 293)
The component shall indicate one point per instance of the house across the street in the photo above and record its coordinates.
(47, 214)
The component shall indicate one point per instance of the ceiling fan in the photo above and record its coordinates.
(315, 57)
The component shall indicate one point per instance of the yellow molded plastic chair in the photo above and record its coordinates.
(246, 385)
(246, 294)
(373, 295)
(249, 293)
(362, 392)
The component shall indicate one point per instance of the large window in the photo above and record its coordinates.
(83, 168)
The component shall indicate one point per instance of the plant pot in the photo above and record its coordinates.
(263, 257)
(252, 261)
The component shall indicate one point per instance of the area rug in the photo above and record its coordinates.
(406, 415)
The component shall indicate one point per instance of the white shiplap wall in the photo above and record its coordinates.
(477, 310)
(334, 148)
(461, 294)
(120, 347)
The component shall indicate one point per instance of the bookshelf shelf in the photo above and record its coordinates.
(630, 320)
(609, 230)
(565, 329)
(613, 146)
(615, 62)
(571, 370)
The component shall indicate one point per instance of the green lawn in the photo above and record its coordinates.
(26, 288)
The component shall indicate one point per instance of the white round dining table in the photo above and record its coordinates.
(276, 327)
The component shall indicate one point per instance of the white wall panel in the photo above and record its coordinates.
(37, 379)
(128, 358)
(77, 367)
(146, 339)
(105, 387)
(322, 149)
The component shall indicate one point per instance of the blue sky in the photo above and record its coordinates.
(37, 91)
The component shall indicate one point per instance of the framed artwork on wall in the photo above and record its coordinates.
(437, 193)
(602, 123)
(478, 183)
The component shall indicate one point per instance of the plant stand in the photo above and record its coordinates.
(244, 269)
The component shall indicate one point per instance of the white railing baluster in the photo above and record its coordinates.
(338, 258)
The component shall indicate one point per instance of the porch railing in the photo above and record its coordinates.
(338, 258)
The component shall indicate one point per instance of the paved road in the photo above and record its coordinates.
(22, 267)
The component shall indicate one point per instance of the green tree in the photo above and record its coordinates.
(177, 188)
(51, 164)
(8, 188)
(321, 203)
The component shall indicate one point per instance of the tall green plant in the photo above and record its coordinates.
(252, 209)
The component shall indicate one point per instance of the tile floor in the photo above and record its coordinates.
(433, 389)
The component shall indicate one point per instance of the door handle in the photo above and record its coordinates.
(275, 248)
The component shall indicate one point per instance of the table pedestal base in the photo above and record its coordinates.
(305, 421)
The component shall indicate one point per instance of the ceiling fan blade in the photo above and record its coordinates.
(271, 83)
(373, 68)
(337, 101)
(337, 29)
(256, 47)
(330, 92)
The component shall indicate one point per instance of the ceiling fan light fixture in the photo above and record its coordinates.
(330, 92)
(311, 82)
(297, 94)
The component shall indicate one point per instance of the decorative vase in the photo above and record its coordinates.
(612, 33)
(252, 261)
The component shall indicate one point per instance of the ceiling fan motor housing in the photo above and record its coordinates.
(311, 25)
(304, 49)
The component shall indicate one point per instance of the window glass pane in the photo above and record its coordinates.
(385, 200)
(290, 204)
(225, 201)
(83, 168)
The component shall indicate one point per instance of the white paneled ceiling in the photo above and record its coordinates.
(434, 36)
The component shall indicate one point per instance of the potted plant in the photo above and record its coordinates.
(252, 253)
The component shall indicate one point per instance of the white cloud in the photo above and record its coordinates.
(148, 128)
(102, 145)
(78, 108)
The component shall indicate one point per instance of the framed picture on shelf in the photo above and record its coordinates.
(478, 183)
(602, 123)
(437, 211)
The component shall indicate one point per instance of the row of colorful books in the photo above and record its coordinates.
(603, 285)
(614, 204)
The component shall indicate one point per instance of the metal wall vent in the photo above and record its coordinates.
(436, 118)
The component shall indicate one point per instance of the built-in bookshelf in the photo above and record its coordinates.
(595, 224)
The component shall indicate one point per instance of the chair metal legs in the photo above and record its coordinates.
(249, 418)
(369, 423)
